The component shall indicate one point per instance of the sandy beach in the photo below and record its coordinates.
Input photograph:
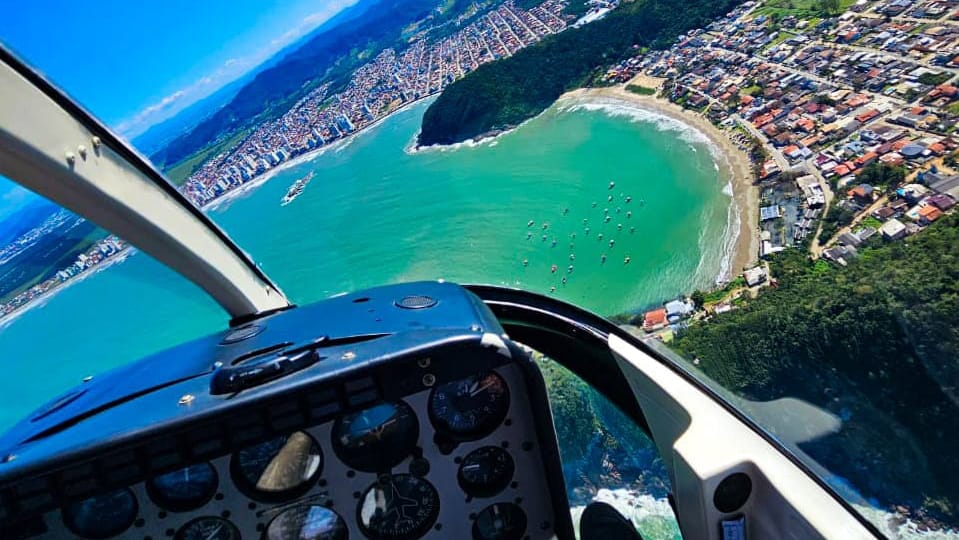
(737, 164)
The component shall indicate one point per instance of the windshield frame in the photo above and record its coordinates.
(246, 294)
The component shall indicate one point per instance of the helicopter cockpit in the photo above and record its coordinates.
(396, 413)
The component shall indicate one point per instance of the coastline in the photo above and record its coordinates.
(257, 181)
(737, 169)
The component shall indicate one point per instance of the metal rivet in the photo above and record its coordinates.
(82, 150)
(423, 362)
(429, 379)
(96, 142)
(475, 328)
(348, 355)
(186, 399)
(88, 378)
(70, 158)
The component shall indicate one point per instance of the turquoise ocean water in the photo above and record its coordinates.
(377, 213)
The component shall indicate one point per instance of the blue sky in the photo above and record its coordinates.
(134, 63)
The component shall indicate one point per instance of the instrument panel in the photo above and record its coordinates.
(459, 460)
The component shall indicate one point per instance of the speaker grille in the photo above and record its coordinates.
(416, 302)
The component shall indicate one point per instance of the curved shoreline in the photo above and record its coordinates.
(736, 169)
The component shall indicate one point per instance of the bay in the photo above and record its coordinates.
(377, 213)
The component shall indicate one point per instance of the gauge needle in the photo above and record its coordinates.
(216, 531)
(480, 389)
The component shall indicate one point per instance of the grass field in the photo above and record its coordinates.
(641, 90)
(799, 8)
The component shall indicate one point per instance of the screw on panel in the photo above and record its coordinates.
(88, 378)
(186, 399)
(429, 379)
(82, 150)
(349, 355)
(423, 362)
(71, 158)
(96, 142)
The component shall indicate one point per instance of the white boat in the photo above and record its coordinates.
(296, 189)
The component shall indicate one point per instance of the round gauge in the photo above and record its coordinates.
(307, 523)
(378, 438)
(398, 507)
(471, 408)
(101, 516)
(185, 489)
(486, 471)
(500, 521)
(208, 528)
(278, 469)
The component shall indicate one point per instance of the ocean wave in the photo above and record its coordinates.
(618, 108)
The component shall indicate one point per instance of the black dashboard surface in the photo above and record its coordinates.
(396, 413)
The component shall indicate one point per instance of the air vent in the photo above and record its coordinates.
(416, 302)
(242, 333)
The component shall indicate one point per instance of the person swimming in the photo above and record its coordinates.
(628, 198)
(570, 269)
(612, 185)
(599, 236)
(553, 243)
(587, 231)
(609, 199)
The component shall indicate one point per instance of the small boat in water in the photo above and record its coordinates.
(296, 189)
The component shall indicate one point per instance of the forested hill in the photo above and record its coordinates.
(504, 93)
(875, 343)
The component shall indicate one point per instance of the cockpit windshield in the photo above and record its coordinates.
(763, 191)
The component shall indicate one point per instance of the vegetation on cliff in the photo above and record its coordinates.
(874, 343)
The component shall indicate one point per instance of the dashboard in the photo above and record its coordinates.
(450, 439)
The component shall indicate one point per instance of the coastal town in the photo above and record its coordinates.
(848, 117)
(845, 109)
